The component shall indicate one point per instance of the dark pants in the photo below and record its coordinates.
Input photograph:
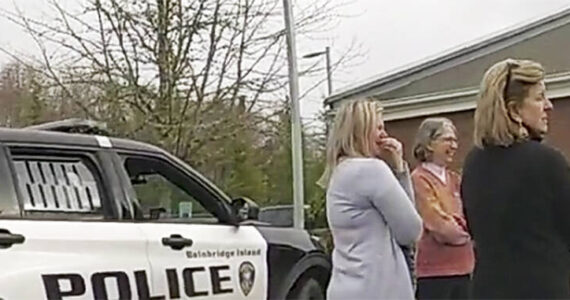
(445, 287)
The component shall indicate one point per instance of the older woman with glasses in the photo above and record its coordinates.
(445, 256)
(517, 190)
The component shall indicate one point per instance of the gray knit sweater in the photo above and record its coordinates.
(370, 216)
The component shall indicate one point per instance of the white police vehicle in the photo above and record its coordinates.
(84, 216)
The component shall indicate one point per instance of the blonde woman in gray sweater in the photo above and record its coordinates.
(369, 212)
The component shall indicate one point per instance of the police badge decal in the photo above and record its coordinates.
(246, 277)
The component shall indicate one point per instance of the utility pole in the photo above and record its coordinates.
(327, 54)
(329, 75)
(296, 140)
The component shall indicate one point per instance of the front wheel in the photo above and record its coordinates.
(310, 289)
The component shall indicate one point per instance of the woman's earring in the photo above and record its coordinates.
(522, 130)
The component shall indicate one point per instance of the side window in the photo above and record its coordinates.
(9, 206)
(58, 186)
(166, 194)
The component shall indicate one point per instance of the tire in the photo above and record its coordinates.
(310, 289)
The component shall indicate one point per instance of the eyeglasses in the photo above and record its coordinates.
(510, 67)
(447, 139)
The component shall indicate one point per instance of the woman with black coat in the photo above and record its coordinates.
(516, 190)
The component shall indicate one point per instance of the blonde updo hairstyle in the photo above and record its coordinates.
(505, 84)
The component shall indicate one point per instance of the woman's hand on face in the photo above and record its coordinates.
(391, 151)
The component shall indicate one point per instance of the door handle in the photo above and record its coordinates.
(8, 239)
(177, 242)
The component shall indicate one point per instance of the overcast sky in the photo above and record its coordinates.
(400, 32)
(390, 33)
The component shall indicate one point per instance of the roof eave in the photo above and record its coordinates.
(464, 54)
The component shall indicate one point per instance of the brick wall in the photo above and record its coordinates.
(559, 134)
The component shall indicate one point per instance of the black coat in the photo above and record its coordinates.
(517, 204)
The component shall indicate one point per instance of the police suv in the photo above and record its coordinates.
(85, 216)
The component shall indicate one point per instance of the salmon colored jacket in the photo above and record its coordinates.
(445, 248)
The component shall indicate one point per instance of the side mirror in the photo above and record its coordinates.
(245, 209)
(139, 179)
(156, 212)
